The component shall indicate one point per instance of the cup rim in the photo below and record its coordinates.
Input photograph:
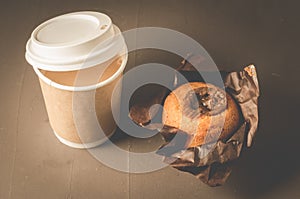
(84, 88)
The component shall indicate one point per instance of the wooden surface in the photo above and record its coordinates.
(33, 164)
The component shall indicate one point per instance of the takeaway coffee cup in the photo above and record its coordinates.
(79, 58)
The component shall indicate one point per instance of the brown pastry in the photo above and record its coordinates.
(202, 110)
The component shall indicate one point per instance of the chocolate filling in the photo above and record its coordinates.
(205, 100)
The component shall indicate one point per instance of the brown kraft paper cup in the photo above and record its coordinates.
(60, 105)
(79, 58)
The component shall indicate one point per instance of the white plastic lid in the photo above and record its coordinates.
(74, 41)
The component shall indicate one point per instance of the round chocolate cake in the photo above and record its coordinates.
(203, 110)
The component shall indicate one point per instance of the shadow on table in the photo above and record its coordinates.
(273, 159)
